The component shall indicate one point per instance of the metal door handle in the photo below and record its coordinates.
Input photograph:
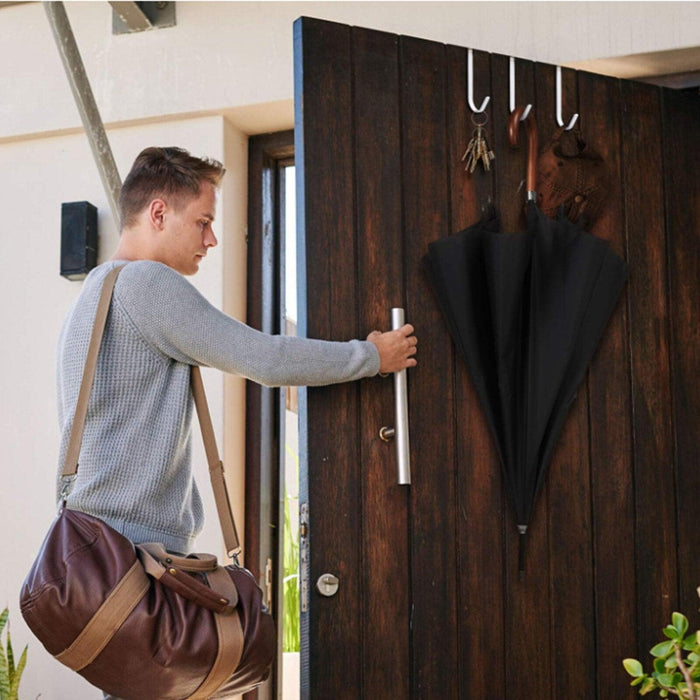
(403, 447)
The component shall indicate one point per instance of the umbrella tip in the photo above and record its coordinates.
(522, 529)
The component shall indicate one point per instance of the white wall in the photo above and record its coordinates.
(228, 55)
(223, 72)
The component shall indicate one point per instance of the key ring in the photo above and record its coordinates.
(479, 124)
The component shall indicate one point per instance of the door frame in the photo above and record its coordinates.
(267, 155)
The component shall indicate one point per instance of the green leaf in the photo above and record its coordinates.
(690, 643)
(662, 650)
(680, 622)
(14, 687)
(659, 666)
(633, 667)
(671, 663)
(3, 619)
(10, 657)
(648, 686)
(4, 678)
(670, 632)
(665, 679)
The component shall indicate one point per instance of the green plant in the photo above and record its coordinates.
(290, 624)
(9, 673)
(674, 673)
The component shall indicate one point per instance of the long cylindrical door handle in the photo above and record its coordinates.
(403, 447)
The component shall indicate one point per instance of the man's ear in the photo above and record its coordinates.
(156, 213)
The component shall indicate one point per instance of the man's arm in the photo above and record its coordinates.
(177, 321)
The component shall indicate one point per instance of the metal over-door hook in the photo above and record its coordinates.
(511, 91)
(560, 119)
(470, 86)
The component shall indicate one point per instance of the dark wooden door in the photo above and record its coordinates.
(429, 603)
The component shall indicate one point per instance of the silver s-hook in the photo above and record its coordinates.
(470, 85)
(560, 120)
(511, 91)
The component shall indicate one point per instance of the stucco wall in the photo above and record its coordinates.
(223, 72)
(228, 55)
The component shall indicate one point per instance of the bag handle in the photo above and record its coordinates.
(216, 467)
(180, 580)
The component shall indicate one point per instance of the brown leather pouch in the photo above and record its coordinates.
(572, 178)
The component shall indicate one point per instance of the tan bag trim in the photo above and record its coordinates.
(216, 466)
(200, 562)
(230, 633)
(70, 466)
(107, 620)
(186, 585)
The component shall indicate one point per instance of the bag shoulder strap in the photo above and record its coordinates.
(216, 467)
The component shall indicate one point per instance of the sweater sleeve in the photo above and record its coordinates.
(177, 321)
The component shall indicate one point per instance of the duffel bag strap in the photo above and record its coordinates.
(231, 639)
(216, 467)
(196, 562)
(70, 465)
(186, 585)
(109, 617)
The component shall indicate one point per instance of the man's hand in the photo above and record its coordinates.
(396, 348)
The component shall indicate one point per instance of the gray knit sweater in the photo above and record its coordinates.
(135, 465)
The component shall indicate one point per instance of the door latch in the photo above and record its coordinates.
(327, 585)
(304, 555)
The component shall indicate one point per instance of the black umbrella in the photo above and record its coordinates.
(526, 312)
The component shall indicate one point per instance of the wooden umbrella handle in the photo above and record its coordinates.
(532, 146)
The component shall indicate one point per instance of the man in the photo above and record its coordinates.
(135, 466)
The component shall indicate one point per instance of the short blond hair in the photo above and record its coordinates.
(167, 172)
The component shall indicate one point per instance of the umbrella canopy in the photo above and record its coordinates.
(526, 312)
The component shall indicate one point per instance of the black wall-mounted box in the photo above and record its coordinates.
(78, 239)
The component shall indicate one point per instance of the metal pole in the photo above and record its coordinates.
(84, 99)
(403, 449)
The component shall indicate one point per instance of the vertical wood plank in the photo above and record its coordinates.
(681, 133)
(334, 491)
(649, 326)
(569, 490)
(426, 217)
(527, 607)
(479, 488)
(386, 559)
(611, 418)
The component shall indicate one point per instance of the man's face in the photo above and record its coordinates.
(188, 232)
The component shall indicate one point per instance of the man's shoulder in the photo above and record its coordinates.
(142, 274)
(151, 291)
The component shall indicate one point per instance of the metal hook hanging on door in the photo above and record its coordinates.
(560, 119)
(511, 92)
(470, 85)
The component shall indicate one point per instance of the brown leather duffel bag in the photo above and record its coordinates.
(136, 621)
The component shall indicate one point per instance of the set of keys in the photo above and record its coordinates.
(478, 149)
